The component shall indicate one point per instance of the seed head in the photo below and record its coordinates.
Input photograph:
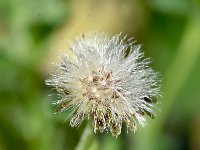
(108, 81)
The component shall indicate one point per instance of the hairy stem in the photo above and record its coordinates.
(87, 139)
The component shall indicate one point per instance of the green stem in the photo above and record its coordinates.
(177, 75)
(87, 139)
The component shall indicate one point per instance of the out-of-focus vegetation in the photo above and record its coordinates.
(32, 32)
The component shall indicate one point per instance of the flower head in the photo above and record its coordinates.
(108, 81)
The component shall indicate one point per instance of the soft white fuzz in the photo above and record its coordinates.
(109, 82)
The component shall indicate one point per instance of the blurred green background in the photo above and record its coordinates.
(33, 32)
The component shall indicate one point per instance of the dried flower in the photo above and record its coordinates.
(108, 82)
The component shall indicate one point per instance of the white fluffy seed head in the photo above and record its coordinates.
(109, 82)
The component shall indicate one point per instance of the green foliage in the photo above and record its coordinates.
(171, 39)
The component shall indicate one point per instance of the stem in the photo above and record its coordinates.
(86, 139)
(176, 76)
